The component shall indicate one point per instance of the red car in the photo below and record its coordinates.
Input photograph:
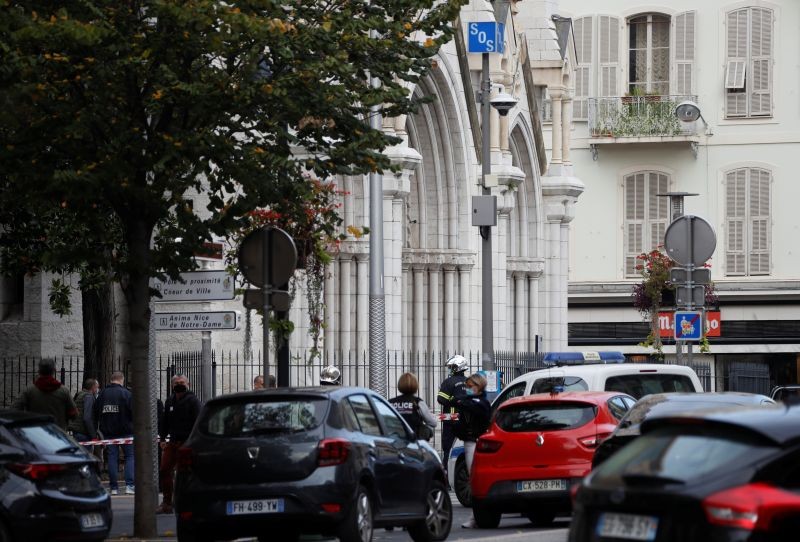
(536, 448)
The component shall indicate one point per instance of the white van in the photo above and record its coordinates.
(635, 379)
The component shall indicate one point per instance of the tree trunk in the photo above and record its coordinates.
(99, 332)
(137, 293)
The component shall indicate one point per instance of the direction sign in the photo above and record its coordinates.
(695, 295)
(699, 276)
(686, 230)
(196, 286)
(196, 321)
(688, 325)
(487, 37)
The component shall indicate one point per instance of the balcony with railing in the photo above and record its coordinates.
(638, 119)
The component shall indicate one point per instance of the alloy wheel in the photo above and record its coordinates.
(364, 517)
(439, 513)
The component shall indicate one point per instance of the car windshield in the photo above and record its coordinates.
(280, 415)
(640, 384)
(670, 457)
(567, 383)
(45, 438)
(544, 416)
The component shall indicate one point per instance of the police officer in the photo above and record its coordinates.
(452, 387)
(412, 408)
(330, 376)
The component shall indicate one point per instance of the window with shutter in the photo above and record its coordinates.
(583, 72)
(747, 221)
(748, 67)
(648, 68)
(608, 55)
(646, 215)
(683, 80)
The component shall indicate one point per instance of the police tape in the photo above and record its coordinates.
(107, 442)
(447, 417)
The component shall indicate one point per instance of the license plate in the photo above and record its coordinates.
(627, 526)
(525, 486)
(261, 506)
(91, 521)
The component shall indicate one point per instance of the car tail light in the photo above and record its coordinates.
(332, 507)
(750, 507)
(185, 459)
(488, 446)
(595, 441)
(333, 451)
(36, 471)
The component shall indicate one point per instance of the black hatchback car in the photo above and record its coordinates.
(729, 475)
(282, 462)
(50, 487)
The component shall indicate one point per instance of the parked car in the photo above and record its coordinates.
(50, 486)
(535, 449)
(722, 475)
(332, 460)
(572, 372)
(670, 403)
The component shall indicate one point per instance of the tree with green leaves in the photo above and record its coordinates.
(115, 112)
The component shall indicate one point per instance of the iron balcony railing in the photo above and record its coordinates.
(638, 116)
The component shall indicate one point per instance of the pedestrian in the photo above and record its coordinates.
(412, 408)
(271, 382)
(474, 414)
(83, 426)
(48, 396)
(180, 413)
(452, 387)
(258, 382)
(113, 410)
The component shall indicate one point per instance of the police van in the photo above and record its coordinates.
(580, 371)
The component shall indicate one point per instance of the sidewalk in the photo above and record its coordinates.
(122, 526)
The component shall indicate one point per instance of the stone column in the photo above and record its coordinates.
(520, 335)
(566, 132)
(405, 299)
(555, 100)
(464, 308)
(362, 307)
(330, 312)
(419, 310)
(434, 313)
(449, 308)
(345, 302)
(533, 312)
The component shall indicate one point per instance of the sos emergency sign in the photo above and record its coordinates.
(666, 322)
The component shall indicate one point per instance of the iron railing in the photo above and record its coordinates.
(638, 116)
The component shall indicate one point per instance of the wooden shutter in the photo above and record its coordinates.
(608, 55)
(736, 30)
(658, 208)
(634, 221)
(735, 208)
(759, 221)
(583, 72)
(683, 81)
(760, 88)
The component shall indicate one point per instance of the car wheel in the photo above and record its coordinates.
(357, 525)
(485, 517)
(187, 533)
(439, 518)
(461, 483)
(541, 519)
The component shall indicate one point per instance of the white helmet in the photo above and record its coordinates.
(457, 364)
(330, 376)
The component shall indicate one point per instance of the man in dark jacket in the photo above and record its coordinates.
(48, 396)
(452, 387)
(113, 411)
(180, 413)
(83, 426)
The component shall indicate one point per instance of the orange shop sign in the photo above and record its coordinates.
(666, 321)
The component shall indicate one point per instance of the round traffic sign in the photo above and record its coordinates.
(282, 257)
(686, 230)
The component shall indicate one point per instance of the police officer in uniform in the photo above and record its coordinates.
(412, 408)
(452, 387)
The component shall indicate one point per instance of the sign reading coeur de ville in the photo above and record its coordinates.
(196, 321)
(196, 286)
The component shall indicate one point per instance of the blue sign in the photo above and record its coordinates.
(688, 326)
(486, 37)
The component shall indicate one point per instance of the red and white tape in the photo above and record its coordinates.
(108, 441)
(447, 417)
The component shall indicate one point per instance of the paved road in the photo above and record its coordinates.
(512, 529)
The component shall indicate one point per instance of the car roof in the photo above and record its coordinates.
(778, 423)
(333, 392)
(594, 397)
(8, 416)
(603, 368)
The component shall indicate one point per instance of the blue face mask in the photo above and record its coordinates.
(470, 391)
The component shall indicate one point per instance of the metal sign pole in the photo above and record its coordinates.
(267, 250)
(487, 320)
(689, 282)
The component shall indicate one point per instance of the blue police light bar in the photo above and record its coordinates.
(583, 358)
